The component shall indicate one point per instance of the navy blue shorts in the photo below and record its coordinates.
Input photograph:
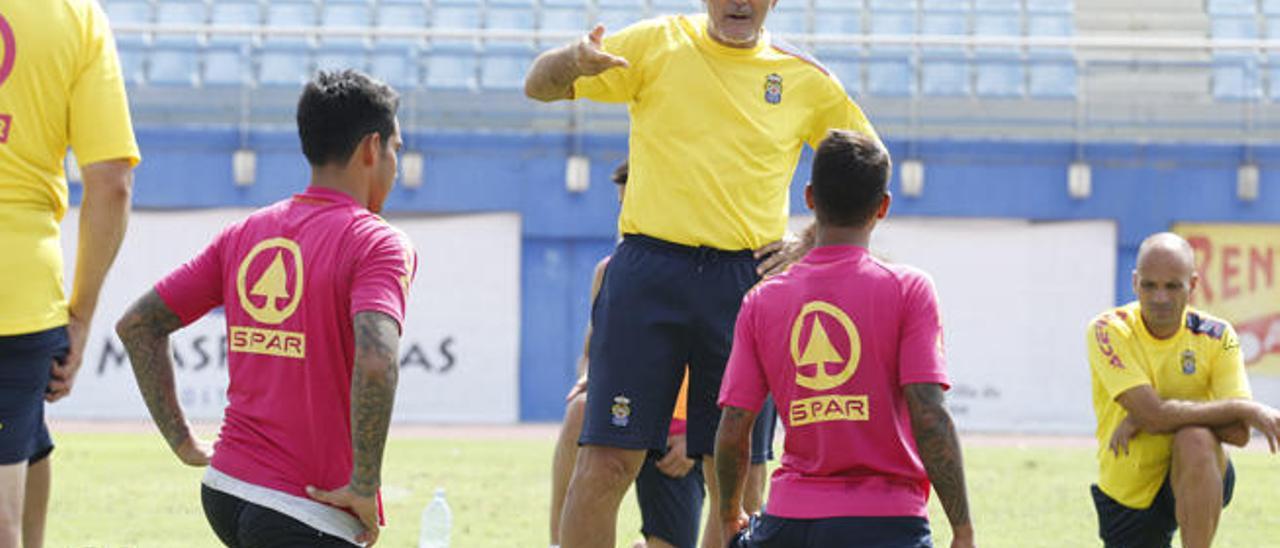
(768, 531)
(25, 362)
(661, 306)
(670, 508)
(762, 432)
(1152, 527)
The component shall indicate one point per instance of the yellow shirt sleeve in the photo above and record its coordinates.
(838, 112)
(620, 85)
(99, 124)
(1229, 380)
(1111, 360)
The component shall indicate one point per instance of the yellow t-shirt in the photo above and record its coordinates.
(716, 131)
(60, 85)
(1201, 362)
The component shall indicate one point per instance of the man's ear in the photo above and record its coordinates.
(370, 148)
(808, 195)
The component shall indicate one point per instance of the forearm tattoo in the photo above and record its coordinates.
(373, 391)
(733, 456)
(145, 330)
(939, 448)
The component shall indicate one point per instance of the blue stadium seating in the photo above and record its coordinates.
(130, 11)
(1236, 76)
(619, 14)
(173, 65)
(1231, 7)
(234, 13)
(565, 15)
(999, 74)
(291, 14)
(452, 66)
(837, 19)
(456, 14)
(397, 65)
(340, 58)
(511, 14)
(1271, 7)
(1051, 75)
(845, 64)
(401, 14)
(182, 12)
(787, 18)
(660, 7)
(132, 50)
(283, 65)
(503, 66)
(226, 66)
(348, 13)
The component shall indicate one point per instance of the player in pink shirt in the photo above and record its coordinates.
(851, 350)
(313, 288)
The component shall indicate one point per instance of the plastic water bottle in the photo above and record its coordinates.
(437, 521)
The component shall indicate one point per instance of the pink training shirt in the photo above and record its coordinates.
(834, 339)
(291, 277)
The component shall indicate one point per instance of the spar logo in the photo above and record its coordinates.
(824, 363)
(275, 267)
(7, 59)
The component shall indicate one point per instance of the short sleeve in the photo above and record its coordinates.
(620, 85)
(383, 276)
(745, 385)
(1110, 360)
(837, 111)
(1229, 378)
(195, 288)
(98, 123)
(920, 348)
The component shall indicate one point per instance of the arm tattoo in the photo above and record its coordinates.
(373, 391)
(939, 449)
(145, 330)
(733, 454)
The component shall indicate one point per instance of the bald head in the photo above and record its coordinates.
(1163, 281)
(1167, 248)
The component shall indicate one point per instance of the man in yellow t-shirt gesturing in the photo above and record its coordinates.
(720, 111)
(60, 85)
(1169, 388)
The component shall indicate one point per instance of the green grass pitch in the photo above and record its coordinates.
(121, 489)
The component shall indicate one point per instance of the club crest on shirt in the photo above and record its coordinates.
(773, 88)
(1188, 362)
(621, 410)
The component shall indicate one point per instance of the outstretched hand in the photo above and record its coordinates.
(365, 508)
(589, 55)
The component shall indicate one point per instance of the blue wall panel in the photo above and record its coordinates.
(1143, 188)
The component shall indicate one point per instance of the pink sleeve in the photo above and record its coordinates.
(194, 288)
(383, 275)
(744, 385)
(920, 349)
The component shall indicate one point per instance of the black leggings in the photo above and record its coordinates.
(242, 524)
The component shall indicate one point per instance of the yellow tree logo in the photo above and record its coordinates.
(272, 286)
(818, 350)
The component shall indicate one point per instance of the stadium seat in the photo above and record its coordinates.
(291, 14)
(283, 66)
(511, 14)
(234, 14)
(662, 7)
(1004, 6)
(890, 74)
(396, 65)
(1231, 7)
(1051, 75)
(129, 11)
(1233, 26)
(226, 66)
(1235, 76)
(451, 66)
(944, 74)
(565, 15)
(619, 14)
(173, 65)
(503, 66)
(1050, 24)
(997, 23)
(133, 54)
(346, 13)
(456, 14)
(402, 14)
(893, 21)
(999, 74)
(340, 58)
(787, 19)
(837, 20)
(178, 12)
